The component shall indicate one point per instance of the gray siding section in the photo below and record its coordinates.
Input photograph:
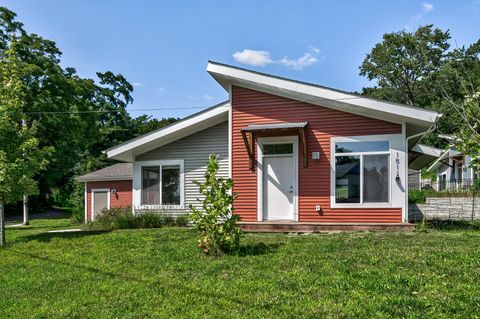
(195, 150)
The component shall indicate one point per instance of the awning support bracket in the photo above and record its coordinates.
(303, 145)
(249, 145)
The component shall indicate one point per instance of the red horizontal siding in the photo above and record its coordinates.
(122, 198)
(250, 106)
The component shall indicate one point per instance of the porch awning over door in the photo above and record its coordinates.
(294, 127)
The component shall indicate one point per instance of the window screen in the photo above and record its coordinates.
(150, 185)
(375, 178)
(171, 185)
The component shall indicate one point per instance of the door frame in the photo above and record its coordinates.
(99, 190)
(276, 140)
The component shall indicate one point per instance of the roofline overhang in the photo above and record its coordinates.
(438, 161)
(127, 151)
(228, 75)
(427, 150)
(104, 179)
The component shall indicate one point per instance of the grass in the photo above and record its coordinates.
(159, 273)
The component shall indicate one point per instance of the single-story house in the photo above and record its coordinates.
(454, 171)
(420, 157)
(297, 152)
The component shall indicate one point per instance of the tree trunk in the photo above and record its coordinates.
(25, 210)
(2, 224)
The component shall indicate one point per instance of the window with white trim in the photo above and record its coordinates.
(362, 172)
(161, 185)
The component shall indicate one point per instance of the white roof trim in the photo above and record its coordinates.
(438, 162)
(427, 150)
(104, 179)
(189, 125)
(322, 96)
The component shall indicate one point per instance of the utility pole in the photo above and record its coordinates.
(2, 224)
(25, 210)
(25, 197)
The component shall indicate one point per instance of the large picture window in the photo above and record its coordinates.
(161, 185)
(362, 172)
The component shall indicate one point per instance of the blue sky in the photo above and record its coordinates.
(163, 47)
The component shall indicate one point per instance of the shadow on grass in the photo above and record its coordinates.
(256, 249)
(37, 227)
(454, 225)
(47, 237)
(92, 269)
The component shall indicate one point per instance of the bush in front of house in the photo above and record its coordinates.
(123, 218)
(215, 220)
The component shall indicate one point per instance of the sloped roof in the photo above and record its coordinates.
(450, 152)
(422, 155)
(120, 171)
(194, 123)
(417, 120)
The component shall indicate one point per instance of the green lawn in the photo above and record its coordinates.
(160, 273)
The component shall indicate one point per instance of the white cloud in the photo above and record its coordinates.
(417, 19)
(263, 58)
(207, 97)
(253, 57)
(427, 7)
(160, 89)
(137, 84)
(306, 60)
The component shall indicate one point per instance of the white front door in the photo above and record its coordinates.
(278, 187)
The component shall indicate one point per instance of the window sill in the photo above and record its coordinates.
(369, 205)
(161, 207)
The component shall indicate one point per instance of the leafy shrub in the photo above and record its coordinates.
(78, 215)
(420, 196)
(422, 227)
(114, 218)
(181, 221)
(123, 218)
(215, 221)
(417, 196)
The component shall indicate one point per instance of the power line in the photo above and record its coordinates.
(113, 111)
(163, 109)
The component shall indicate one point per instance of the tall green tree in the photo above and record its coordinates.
(403, 63)
(21, 157)
(77, 117)
(418, 68)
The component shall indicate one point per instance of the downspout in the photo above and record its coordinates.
(422, 134)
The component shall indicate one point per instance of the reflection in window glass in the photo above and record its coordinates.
(375, 178)
(150, 185)
(273, 149)
(171, 185)
(356, 147)
(347, 179)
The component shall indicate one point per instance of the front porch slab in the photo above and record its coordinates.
(308, 227)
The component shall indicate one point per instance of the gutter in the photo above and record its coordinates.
(422, 134)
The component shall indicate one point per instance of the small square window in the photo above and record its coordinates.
(277, 149)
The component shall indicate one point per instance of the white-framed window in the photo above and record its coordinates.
(159, 184)
(361, 172)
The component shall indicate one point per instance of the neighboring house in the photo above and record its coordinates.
(454, 171)
(296, 151)
(419, 157)
(108, 187)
